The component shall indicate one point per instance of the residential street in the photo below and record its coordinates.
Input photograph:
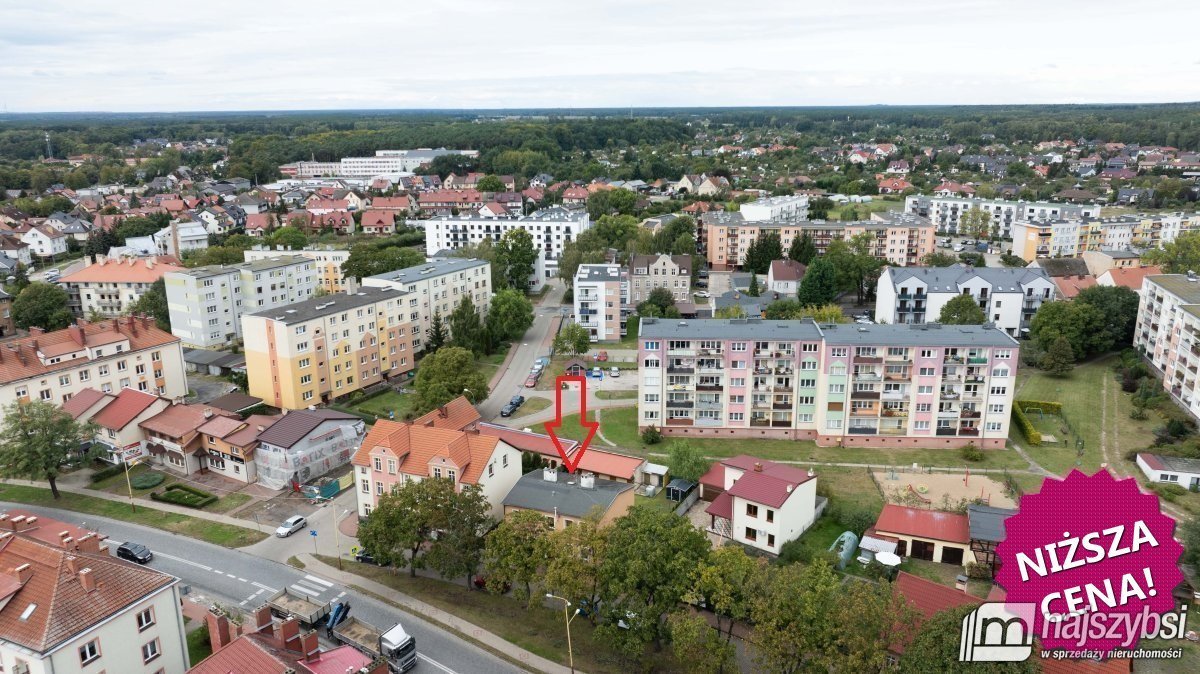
(535, 344)
(223, 575)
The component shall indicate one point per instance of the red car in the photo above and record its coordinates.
(531, 381)
(601, 356)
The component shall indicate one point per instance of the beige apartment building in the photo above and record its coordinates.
(111, 286)
(327, 261)
(673, 272)
(316, 351)
(438, 286)
(900, 239)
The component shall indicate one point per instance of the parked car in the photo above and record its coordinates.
(703, 273)
(531, 381)
(703, 294)
(601, 356)
(946, 243)
(134, 552)
(291, 525)
(864, 321)
(614, 372)
(512, 406)
(958, 248)
(53, 272)
(597, 373)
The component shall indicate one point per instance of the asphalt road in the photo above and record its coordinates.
(512, 382)
(240, 578)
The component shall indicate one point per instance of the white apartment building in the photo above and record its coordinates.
(776, 209)
(601, 292)
(839, 385)
(111, 355)
(181, 236)
(111, 286)
(68, 607)
(329, 261)
(206, 303)
(1009, 297)
(438, 286)
(1167, 333)
(551, 228)
(945, 212)
(385, 162)
(647, 272)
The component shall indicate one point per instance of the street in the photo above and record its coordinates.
(533, 346)
(237, 577)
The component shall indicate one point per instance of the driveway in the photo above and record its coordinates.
(206, 387)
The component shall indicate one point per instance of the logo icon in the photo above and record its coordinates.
(997, 632)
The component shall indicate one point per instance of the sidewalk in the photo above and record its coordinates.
(530, 660)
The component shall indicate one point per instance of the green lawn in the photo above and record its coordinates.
(228, 503)
(818, 538)
(119, 486)
(195, 527)
(658, 501)
(198, 645)
(532, 406)
(620, 426)
(381, 406)
(490, 365)
(616, 395)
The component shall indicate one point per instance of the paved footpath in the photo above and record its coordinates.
(139, 502)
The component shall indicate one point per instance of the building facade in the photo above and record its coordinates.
(601, 296)
(1034, 239)
(206, 304)
(551, 228)
(1009, 297)
(328, 264)
(322, 349)
(110, 287)
(385, 162)
(900, 239)
(945, 211)
(647, 272)
(1167, 333)
(437, 286)
(776, 209)
(306, 444)
(839, 385)
(760, 503)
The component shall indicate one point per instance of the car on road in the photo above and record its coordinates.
(600, 356)
(512, 406)
(134, 552)
(291, 525)
(614, 372)
(53, 272)
(532, 380)
(702, 294)
(864, 321)
(958, 248)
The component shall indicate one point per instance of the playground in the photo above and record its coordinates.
(940, 490)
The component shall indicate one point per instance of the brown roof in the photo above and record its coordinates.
(129, 270)
(935, 524)
(416, 446)
(1132, 277)
(787, 270)
(127, 405)
(19, 359)
(63, 608)
(234, 402)
(684, 261)
(249, 433)
(1069, 286)
(294, 426)
(456, 415)
(83, 401)
(178, 421)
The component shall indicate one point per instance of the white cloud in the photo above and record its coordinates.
(140, 55)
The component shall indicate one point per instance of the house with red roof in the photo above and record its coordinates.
(760, 503)
(173, 437)
(932, 535)
(117, 417)
(229, 443)
(400, 205)
(378, 221)
(575, 196)
(893, 185)
(953, 189)
(259, 224)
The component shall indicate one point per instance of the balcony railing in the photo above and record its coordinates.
(709, 387)
(679, 422)
(895, 414)
(968, 431)
(865, 395)
(680, 369)
(868, 359)
(945, 431)
(680, 403)
(953, 359)
(781, 406)
(760, 423)
(970, 414)
(863, 430)
(977, 360)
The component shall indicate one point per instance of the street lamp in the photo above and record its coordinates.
(337, 540)
(567, 618)
(129, 483)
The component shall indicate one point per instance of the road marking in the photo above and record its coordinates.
(217, 571)
(305, 590)
(231, 575)
(242, 579)
(341, 595)
(319, 581)
(435, 663)
(263, 587)
(180, 559)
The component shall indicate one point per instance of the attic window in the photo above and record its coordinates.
(28, 612)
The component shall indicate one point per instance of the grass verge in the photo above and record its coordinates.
(616, 395)
(532, 406)
(198, 645)
(402, 404)
(295, 561)
(225, 535)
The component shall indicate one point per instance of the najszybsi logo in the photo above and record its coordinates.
(1000, 632)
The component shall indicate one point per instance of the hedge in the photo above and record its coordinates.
(105, 473)
(147, 480)
(1044, 405)
(1031, 434)
(184, 495)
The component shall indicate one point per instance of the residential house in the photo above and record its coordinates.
(118, 418)
(784, 277)
(7, 326)
(893, 185)
(379, 222)
(12, 247)
(173, 437)
(230, 443)
(1166, 469)
(110, 287)
(946, 211)
(1127, 277)
(602, 463)
(566, 498)
(339, 222)
(1100, 261)
(760, 503)
(920, 533)
(306, 444)
(1009, 297)
(45, 241)
(398, 205)
(180, 237)
(648, 272)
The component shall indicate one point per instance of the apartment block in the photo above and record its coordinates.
(946, 212)
(898, 238)
(328, 264)
(111, 355)
(776, 209)
(110, 287)
(551, 228)
(325, 348)
(1072, 238)
(385, 162)
(838, 385)
(1167, 333)
(437, 286)
(1008, 297)
(601, 294)
(206, 304)
(673, 272)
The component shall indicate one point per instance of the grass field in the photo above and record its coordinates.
(616, 395)
(198, 645)
(195, 527)
(532, 406)
(620, 426)
(118, 485)
(380, 406)
(877, 205)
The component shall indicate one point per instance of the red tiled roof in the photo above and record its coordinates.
(129, 270)
(378, 218)
(14, 368)
(715, 477)
(722, 506)
(765, 488)
(1070, 286)
(928, 597)
(82, 401)
(178, 421)
(416, 446)
(337, 661)
(787, 270)
(1132, 277)
(395, 203)
(942, 526)
(607, 463)
(457, 414)
(527, 442)
(1114, 666)
(128, 404)
(249, 654)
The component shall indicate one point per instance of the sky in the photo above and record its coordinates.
(136, 55)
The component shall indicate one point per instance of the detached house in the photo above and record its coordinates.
(229, 443)
(306, 444)
(173, 437)
(45, 241)
(378, 222)
(760, 503)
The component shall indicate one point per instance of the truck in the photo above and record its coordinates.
(394, 644)
(288, 602)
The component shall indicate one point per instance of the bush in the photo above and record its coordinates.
(147, 480)
(978, 571)
(972, 453)
(1031, 434)
(105, 473)
(1167, 492)
(184, 495)
(856, 518)
(651, 436)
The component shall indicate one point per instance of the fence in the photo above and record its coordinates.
(687, 502)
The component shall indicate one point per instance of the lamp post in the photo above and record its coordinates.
(337, 540)
(567, 618)
(128, 482)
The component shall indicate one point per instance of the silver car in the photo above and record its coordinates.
(291, 525)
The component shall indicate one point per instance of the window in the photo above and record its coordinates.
(1000, 372)
(379, 489)
(751, 510)
(927, 353)
(737, 381)
(1004, 353)
(839, 351)
(308, 395)
(921, 425)
(150, 651)
(737, 416)
(122, 366)
(837, 388)
(927, 372)
(925, 390)
(999, 390)
(751, 534)
(64, 380)
(378, 463)
(806, 400)
(504, 461)
(366, 486)
(924, 407)
(833, 423)
(995, 409)
(770, 515)
(392, 466)
(1168, 477)
(450, 474)
(993, 425)
(89, 651)
(304, 362)
(651, 346)
(737, 346)
(44, 394)
(738, 365)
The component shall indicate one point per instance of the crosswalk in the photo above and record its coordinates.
(312, 586)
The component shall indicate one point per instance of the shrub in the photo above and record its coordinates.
(1031, 434)
(856, 518)
(978, 571)
(184, 495)
(1167, 492)
(147, 480)
(105, 473)
(972, 453)
(651, 436)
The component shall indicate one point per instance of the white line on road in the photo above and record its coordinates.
(231, 575)
(319, 581)
(264, 587)
(180, 559)
(435, 663)
(242, 579)
(305, 589)
(341, 595)
(217, 571)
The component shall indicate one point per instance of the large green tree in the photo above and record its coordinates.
(1119, 306)
(516, 255)
(856, 265)
(976, 222)
(465, 326)
(42, 305)
(610, 202)
(515, 552)
(38, 439)
(510, 315)
(687, 461)
(572, 340)
(405, 520)
(726, 581)
(962, 310)
(1059, 357)
(1082, 324)
(938, 259)
(787, 310)
(438, 335)
(366, 259)
(154, 303)
(819, 285)
(803, 250)
(447, 374)
(697, 645)
(290, 237)
(458, 548)
(935, 648)
(765, 248)
(490, 183)
(1179, 256)
(574, 557)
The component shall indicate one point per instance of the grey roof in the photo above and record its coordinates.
(1177, 464)
(949, 279)
(329, 304)
(532, 492)
(1179, 285)
(282, 260)
(931, 334)
(684, 261)
(296, 425)
(201, 356)
(986, 523)
(1063, 266)
(598, 272)
(234, 402)
(431, 268)
(1120, 254)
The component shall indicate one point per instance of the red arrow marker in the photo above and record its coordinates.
(571, 463)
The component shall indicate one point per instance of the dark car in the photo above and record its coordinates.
(135, 552)
(512, 406)
(365, 557)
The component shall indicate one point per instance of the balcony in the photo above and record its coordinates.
(949, 395)
(895, 395)
(708, 405)
(760, 423)
(971, 414)
(681, 404)
(711, 369)
(895, 414)
(865, 395)
(781, 406)
(953, 359)
(710, 387)
(679, 422)
(945, 431)
(977, 360)
(681, 352)
(681, 369)
(974, 379)
(760, 405)
(863, 430)
(897, 377)
(864, 412)
(867, 376)
(781, 424)
(868, 359)
(969, 430)
(948, 412)
(892, 431)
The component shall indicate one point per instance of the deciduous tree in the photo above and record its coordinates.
(42, 305)
(975, 222)
(819, 285)
(37, 439)
(686, 461)
(447, 374)
(697, 645)
(1059, 358)
(291, 237)
(516, 255)
(404, 521)
(572, 340)
(935, 648)
(458, 548)
(490, 183)
(465, 326)
(938, 259)
(574, 556)
(510, 314)
(962, 310)
(154, 303)
(514, 553)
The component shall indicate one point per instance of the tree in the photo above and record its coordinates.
(438, 336)
(615, 231)
(696, 644)
(726, 581)
(579, 252)
(404, 521)
(803, 250)
(291, 237)
(765, 248)
(686, 461)
(935, 648)
(37, 439)
(1059, 358)
(458, 548)
(465, 326)
(1177, 257)
(490, 183)
(938, 259)
(793, 628)
(656, 303)
(154, 303)
(368, 260)
(514, 552)
(608, 202)
(447, 374)
(1080, 323)
(975, 222)
(485, 250)
(510, 315)
(42, 305)
(962, 310)
(818, 209)
(731, 311)
(819, 285)
(574, 557)
(791, 310)
(1119, 307)
(99, 241)
(647, 570)
(516, 255)
(856, 265)
(572, 339)
(753, 290)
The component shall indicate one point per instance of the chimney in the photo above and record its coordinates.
(87, 580)
(76, 332)
(262, 618)
(288, 631)
(30, 522)
(67, 543)
(960, 582)
(72, 563)
(33, 343)
(24, 573)
(811, 473)
(35, 330)
(757, 467)
(309, 646)
(208, 412)
(789, 488)
(88, 543)
(550, 474)
(220, 632)
(17, 523)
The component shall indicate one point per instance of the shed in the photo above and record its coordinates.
(576, 367)
(679, 488)
(654, 474)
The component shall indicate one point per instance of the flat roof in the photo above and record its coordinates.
(533, 492)
(930, 334)
(329, 304)
(1179, 285)
(252, 266)
(986, 523)
(438, 267)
